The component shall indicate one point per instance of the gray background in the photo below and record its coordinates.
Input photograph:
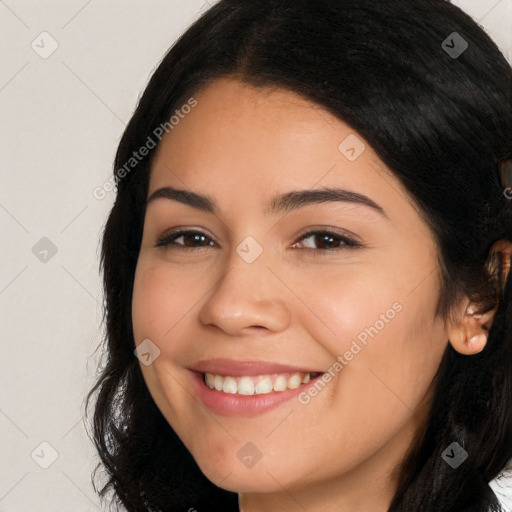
(63, 110)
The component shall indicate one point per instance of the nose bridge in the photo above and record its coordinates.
(247, 295)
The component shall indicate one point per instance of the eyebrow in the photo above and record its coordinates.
(279, 204)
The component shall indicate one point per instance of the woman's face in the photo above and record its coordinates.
(356, 299)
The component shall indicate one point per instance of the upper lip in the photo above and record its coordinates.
(250, 368)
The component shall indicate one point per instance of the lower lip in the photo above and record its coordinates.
(245, 406)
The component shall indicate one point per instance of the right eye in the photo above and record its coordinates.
(185, 239)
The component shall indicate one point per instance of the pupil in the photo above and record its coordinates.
(326, 240)
(191, 240)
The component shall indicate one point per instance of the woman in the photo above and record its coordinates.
(307, 266)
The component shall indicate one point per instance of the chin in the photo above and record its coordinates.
(235, 477)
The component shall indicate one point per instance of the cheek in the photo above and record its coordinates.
(161, 298)
(147, 302)
(388, 310)
(390, 342)
(352, 304)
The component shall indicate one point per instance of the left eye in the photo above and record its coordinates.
(327, 241)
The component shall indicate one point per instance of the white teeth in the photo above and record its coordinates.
(245, 386)
(209, 379)
(256, 385)
(280, 383)
(264, 386)
(295, 381)
(229, 385)
(217, 382)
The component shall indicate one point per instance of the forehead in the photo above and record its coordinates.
(247, 119)
(240, 140)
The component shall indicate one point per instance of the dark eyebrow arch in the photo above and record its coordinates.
(279, 204)
(204, 203)
(296, 199)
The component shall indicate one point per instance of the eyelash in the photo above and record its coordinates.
(167, 240)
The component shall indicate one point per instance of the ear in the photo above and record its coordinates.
(470, 327)
(469, 331)
(502, 250)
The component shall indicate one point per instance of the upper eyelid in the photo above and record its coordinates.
(180, 231)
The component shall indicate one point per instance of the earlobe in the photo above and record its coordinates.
(469, 335)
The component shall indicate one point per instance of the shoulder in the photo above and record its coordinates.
(502, 487)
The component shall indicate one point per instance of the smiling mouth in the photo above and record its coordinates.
(258, 384)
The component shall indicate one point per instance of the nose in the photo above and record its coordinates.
(248, 298)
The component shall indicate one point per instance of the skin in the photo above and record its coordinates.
(294, 304)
